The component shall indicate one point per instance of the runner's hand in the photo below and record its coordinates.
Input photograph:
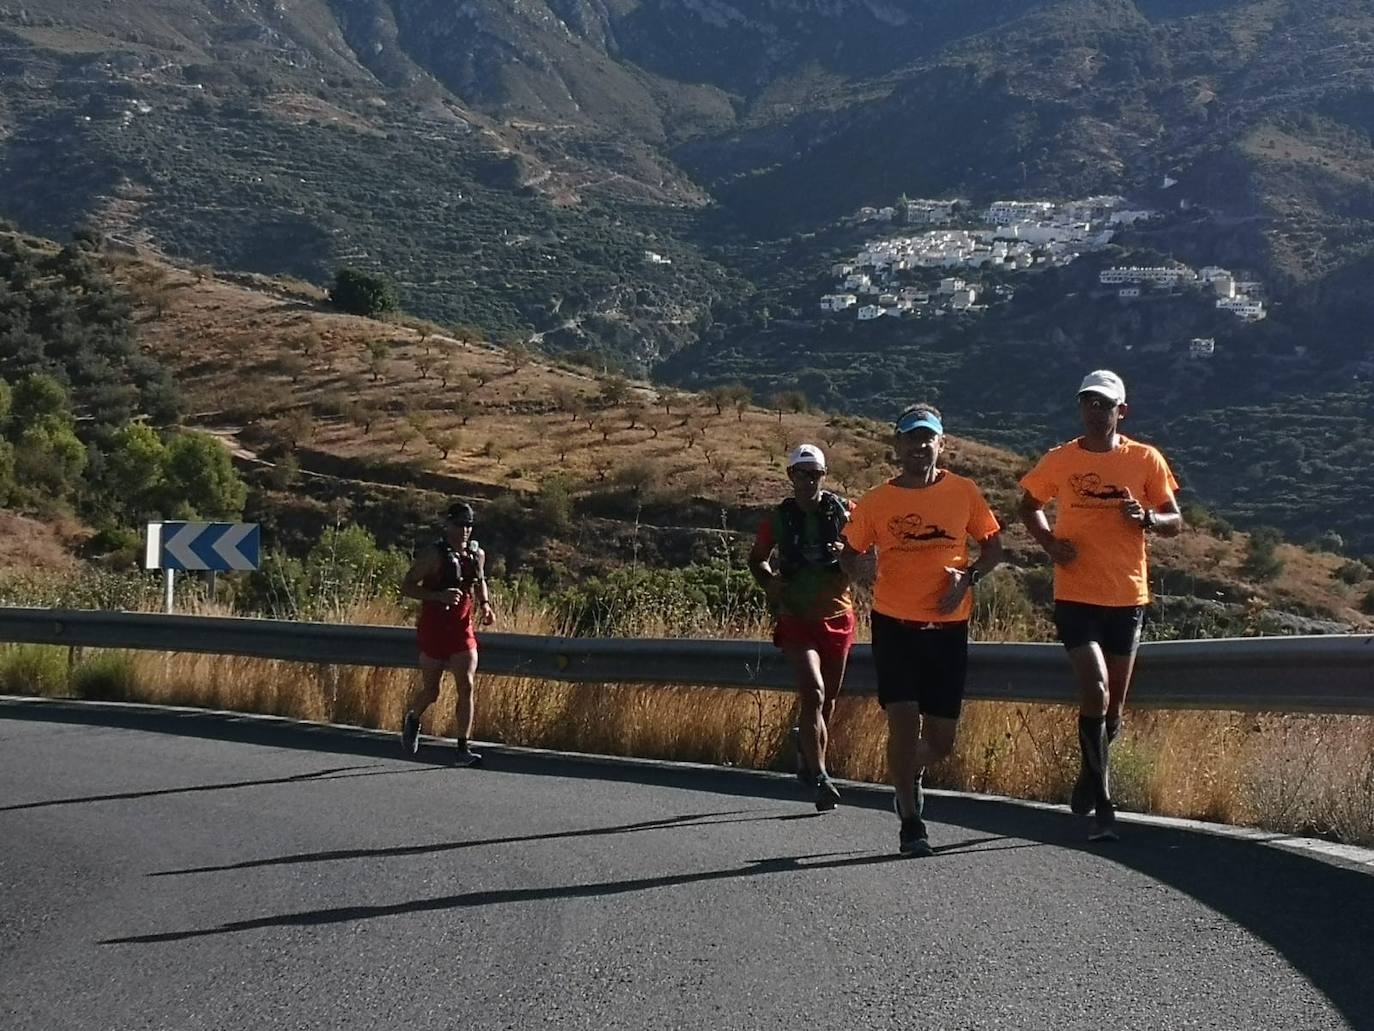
(488, 614)
(1133, 509)
(447, 596)
(1060, 551)
(958, 587)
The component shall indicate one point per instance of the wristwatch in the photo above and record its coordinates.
(974, 575)
(1149, 519)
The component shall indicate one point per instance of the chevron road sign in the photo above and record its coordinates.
(218, 547)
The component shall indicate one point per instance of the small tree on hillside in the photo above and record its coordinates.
(614, 390)
(1261, 559)
(361, 293)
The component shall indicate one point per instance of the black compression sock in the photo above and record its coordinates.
(1092, 741)
(1113, 728)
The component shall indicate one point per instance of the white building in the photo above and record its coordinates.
(838, 302)
(961, 300)
(951, 285)
(654, 258)
(1161, 275)
(1126, 293)
(857, 281)
(1242, 307)
(870, 311)
(1202, 347)
(1003, 212)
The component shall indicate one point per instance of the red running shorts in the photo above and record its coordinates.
(830, 638)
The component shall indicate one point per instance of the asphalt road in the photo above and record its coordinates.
(197, 873)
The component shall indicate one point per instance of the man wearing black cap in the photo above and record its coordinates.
(446, 578)
(1111, 492)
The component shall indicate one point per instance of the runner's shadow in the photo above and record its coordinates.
(667, 823)
(509, 896)
(335, 773)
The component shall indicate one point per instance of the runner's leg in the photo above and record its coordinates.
(832, 676)
(903, 734)
(464, 667)
(937, 741)
(806, 675)
(431, 673)
(1090, 671)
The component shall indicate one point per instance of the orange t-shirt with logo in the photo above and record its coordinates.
(1088, 487)
(918, 532)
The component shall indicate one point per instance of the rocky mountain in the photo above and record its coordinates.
(515, 163)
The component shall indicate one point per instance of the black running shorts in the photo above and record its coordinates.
(1115, 628)
(926, 663)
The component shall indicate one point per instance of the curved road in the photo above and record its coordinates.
(187, 872)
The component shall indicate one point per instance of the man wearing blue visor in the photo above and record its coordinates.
(919, 523)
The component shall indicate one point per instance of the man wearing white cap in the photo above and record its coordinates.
(1110, 492)
(811, 599)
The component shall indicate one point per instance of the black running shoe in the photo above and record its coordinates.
(827, 794)
(410, 734)
(913, 840)
(465, 756)
(1081, 801)
(1104, 824)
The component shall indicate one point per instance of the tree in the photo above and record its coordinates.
(360, 293)
(134, 467)
(444, 440)
(1261, 559)
(296, 427)
(518, 354)
(614, 390)
(443, 368)
(378, 354)
(425, 364)
(200, 480)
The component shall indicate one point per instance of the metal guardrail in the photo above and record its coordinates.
(1285, 674)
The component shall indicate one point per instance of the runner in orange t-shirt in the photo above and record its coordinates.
(810, 596)
(1109, 491)
(919, 523)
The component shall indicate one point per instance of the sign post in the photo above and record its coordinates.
(214, 547)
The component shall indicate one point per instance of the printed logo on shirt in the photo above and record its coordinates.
(1093, 492)
(914, 533)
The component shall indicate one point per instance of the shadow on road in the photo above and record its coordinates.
(689, 820)
(335, 773)
(1318, 915)
(507, 896)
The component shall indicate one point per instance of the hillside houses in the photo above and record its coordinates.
(1010, 236)
(1239, 297)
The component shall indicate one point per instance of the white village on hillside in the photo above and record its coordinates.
(891, 276)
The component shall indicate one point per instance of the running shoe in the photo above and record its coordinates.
(465, 756)
(913, 841)
(410, 733)
(1104, 825)
(1081, 801)
(827, 794)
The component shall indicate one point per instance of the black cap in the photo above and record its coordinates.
(459, 512)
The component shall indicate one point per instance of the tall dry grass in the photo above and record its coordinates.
(1291, 774)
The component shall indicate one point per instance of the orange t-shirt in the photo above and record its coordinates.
(1111, 567)
(918, 532)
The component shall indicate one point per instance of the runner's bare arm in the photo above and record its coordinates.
(1033, 516)
(426, 565)
(990, 554)
(859, 566)
(482, 592)
(1165, 519)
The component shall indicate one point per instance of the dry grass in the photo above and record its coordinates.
(1293, 774)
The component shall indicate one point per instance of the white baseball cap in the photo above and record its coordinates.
(806, 454)
(1106, 383)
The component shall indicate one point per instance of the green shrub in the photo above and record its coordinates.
(360, 293)
(34, 669)
(105, 677)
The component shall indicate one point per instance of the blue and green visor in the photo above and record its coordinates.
(919, 420)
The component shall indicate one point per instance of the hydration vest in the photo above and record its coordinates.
(794, 550)
(456, 568)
